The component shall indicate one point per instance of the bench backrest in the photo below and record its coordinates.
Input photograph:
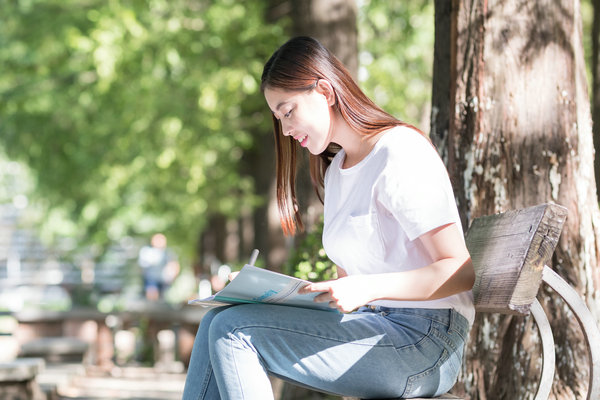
(509, 251)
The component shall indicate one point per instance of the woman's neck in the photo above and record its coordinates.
(356, 146)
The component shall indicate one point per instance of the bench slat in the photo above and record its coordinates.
(446, 396)
(509, 251)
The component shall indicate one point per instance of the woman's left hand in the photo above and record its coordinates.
(346, 294)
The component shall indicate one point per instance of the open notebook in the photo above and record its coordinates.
(257, 285)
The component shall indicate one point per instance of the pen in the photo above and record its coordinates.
(253, 257)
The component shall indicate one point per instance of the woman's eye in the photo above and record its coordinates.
(288, 114)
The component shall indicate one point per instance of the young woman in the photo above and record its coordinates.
(391, 227)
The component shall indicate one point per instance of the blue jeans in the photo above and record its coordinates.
(375, 352)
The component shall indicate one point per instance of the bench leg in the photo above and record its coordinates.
(548, 354)
(586, 321)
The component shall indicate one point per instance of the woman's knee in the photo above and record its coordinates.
(207, 320)
(221, 323)
(233, 323)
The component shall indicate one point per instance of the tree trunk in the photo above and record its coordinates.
(333, 23)
(518, 133)
(267, 233)
(596, 85)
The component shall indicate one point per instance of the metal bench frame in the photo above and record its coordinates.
(588, 326)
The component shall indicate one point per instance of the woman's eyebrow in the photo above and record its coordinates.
(281, 105)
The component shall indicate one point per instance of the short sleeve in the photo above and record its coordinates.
(414, 186)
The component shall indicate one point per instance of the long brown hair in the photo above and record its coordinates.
(296, 66)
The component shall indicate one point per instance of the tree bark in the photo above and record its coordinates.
(596, 85)
(333, 23)
(519, 133)
(440, 96)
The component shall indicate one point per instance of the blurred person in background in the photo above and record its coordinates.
(159, 267)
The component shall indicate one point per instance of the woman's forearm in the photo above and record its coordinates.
(450, 273)
(441, 279)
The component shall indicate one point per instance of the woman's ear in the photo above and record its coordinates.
(325, 88)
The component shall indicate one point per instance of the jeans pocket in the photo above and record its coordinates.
(425, 383)
(405, 329)
(436, 380)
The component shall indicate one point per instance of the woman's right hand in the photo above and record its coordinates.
(346, 294)
(232, 275)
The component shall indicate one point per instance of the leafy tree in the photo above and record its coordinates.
(133, 115)
(396, 56)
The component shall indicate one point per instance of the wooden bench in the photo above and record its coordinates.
(55, 349)
(510, 253)
(18, 379)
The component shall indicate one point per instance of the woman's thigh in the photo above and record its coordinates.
(360, 354)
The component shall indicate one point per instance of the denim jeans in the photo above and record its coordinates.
(375, 352)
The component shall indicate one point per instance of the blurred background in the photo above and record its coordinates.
(124, 119)
(121, 119)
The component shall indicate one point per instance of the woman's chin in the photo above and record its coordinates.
(313, 152)
(316, 150)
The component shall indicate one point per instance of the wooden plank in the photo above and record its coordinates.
(540, 254)
(509, 251)
(446, 396)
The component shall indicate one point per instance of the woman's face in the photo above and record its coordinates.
(306, 116)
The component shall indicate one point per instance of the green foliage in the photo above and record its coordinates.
(396, 57)
(309, 261)
(133, 115)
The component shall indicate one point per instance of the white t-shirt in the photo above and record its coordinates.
(376, 210)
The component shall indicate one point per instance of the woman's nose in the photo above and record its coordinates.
(286, 129)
